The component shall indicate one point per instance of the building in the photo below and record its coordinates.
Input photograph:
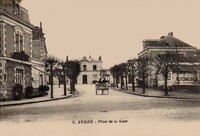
(22, 49)
(91, 71)
(186, 71)
(39, 55)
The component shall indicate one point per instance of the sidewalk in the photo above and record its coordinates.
(58, 94)
(161, 94)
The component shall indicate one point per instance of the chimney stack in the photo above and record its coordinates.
(170, 34)
(100, 59)
(40, 24)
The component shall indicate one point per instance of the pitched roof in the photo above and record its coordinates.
(170, 41)
(166, 41)
(89, 59)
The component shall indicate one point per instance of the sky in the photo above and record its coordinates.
(113, 29)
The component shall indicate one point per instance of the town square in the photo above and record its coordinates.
(96, 64)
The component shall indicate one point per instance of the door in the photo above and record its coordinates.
(84, 79)
(41, 79)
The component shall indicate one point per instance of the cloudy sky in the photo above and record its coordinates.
(113, 29)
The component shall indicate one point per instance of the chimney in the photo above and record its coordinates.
(40, 24)
(162, 37)
(67, 59)
(170, 34)
(100, 58)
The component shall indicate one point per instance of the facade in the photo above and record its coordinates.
(39, 55)
(22, 51)
(186, 71)
(91, 71)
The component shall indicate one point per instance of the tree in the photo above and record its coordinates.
(58, 74)
(165, 62)
(132, 71)
(115, 73)
(51, 61)
(144, 69)
(123, 72)
(72, 71)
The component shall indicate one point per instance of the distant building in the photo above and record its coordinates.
(92, 71)
(185, 72)
(22, 49)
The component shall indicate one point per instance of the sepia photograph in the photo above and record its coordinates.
(100, 67)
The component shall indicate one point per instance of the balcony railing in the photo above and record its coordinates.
(20, 56)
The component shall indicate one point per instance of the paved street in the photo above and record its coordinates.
(115, 106)
(130, 113)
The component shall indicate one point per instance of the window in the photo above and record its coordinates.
(19, 76)
(94, 77)
(19, 44)
(0, 39)
(84, 67)
(41, 79)
(5, 78)
(94, 67)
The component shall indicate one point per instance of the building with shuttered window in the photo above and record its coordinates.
(22, 50)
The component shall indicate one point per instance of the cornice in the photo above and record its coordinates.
(11, 16)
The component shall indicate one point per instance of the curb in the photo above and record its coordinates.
(39, 101)
(169, 97)
(144, 95)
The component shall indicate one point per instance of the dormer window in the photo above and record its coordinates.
(84, 67)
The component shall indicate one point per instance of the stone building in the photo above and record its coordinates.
(91, 71)
(185, 72)
(22, 49)
(39, 55)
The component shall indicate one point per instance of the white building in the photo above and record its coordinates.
(187, 72)
(91, 71)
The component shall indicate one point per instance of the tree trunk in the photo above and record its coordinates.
(51, 76)
(166, 89)
(65, 86)
(133, 84)
(114, 82)
(126, 83)
(117, 82)
(59, 81)
(143, 84)
(72, 85)
(122, 83)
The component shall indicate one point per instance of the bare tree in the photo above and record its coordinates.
(144, 69)
(123, 73)
(115, 73)
(165, 62)
(58, 74)
(51, 61)
(132, 71)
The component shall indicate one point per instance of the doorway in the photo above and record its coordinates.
(84, 79)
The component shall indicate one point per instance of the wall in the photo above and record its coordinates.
(90, 77)
(10, 72)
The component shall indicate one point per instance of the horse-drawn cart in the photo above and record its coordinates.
(102, 87)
